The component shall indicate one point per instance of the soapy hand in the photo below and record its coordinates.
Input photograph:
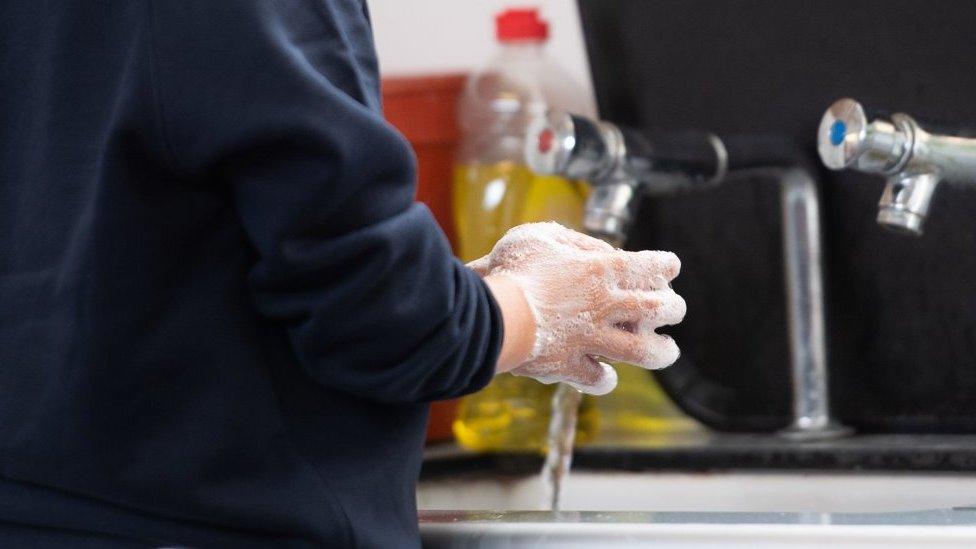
(589, 300)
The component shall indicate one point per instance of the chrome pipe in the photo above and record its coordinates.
(800, 209)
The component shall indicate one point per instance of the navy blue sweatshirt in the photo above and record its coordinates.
(221, 312)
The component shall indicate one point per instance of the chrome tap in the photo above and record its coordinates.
(914, 160)
(623, 164)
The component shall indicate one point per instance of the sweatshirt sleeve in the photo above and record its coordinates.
(278, 101)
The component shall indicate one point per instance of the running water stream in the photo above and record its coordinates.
(562, 427)
(562, 433)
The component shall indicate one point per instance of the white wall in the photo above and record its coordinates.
(431, 36)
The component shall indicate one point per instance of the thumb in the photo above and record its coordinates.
(480, 266)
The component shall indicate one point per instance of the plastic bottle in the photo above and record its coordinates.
(493, 191)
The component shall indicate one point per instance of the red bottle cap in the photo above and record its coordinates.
(517, 24)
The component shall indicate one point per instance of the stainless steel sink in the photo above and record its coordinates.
(864, 491)
(949, 528)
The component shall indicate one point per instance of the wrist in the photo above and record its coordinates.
(519, 323)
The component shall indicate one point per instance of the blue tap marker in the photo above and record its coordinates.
(838, 130)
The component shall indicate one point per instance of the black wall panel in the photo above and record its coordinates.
(901, 310)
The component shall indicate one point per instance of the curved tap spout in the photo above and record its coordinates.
(904, 205)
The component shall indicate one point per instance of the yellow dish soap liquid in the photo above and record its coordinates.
(511, 413)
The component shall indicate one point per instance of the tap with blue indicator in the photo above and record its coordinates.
(913, 160)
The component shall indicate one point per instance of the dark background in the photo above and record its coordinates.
(901, 314)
